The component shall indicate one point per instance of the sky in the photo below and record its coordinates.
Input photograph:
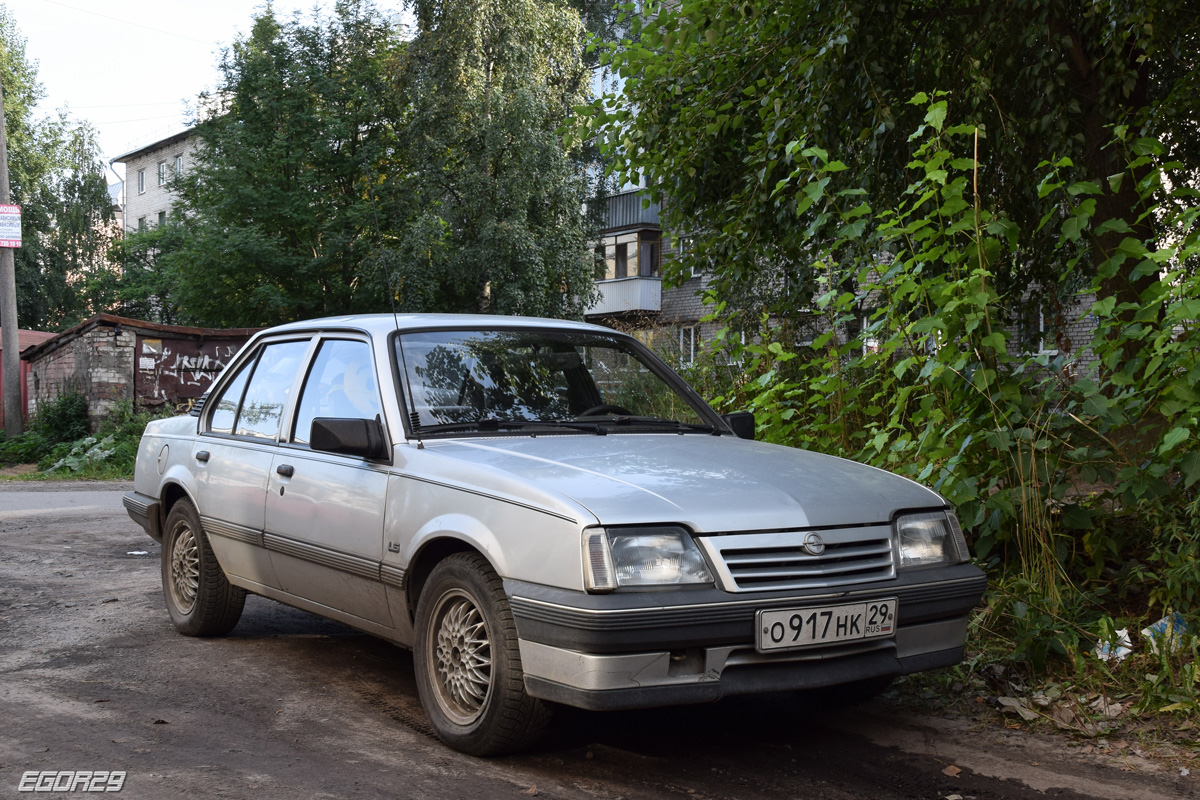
(134, 68)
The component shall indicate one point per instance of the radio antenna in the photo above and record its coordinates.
(414, 417)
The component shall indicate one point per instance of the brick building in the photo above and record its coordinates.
(111, 359)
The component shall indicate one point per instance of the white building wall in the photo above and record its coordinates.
(147, 197)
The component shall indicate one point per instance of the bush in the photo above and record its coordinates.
(110, 454)
(64, 419)
(1078, 482)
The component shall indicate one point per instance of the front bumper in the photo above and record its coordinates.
(639, 650)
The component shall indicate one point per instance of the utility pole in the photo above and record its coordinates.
(9, 341)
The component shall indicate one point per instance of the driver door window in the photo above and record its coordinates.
(340, 384)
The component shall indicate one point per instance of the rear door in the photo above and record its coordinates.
(233, 456)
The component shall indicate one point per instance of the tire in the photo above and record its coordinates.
(468, 663)
(200, 599)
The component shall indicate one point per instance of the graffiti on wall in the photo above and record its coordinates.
(178, 370)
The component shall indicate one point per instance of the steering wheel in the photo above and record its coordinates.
(605, 408)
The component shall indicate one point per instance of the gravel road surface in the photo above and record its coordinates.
(94, 677)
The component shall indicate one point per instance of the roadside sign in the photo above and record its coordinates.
(10, 226)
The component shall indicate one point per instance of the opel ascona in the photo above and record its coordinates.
(545, 514)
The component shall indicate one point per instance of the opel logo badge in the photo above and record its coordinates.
(814, 544)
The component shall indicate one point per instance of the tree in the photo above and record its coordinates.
(496, 198)
(279, 214)
(722, 103)
(142, 284)
(58, 179)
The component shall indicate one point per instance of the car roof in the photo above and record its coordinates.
(377, 324)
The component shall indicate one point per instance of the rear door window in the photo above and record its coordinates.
(267, 394)
(225, 408)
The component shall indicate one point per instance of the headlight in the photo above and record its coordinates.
(930, 540)
(641, 557)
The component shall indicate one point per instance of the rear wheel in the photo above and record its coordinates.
(468, 663)
(200, 599)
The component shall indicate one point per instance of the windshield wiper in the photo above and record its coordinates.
(625, 420)
(494, 424)
(485, 424)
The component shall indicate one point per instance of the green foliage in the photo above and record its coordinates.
(1076, 473)
(85, 453)
(277, 214)
(108, 455)
(494, 223)
(335, 157)
(929, 384)
(145, 285)
(26, 448)
(723, 104)
(58, 178)
(64, 419)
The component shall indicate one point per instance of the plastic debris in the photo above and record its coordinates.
(1117, 649)
(1169, 630)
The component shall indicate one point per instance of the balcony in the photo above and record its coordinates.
(622, 210)
(623, 295)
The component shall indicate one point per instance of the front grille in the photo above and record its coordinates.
(759, 562)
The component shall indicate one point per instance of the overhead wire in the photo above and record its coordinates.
(127, 22)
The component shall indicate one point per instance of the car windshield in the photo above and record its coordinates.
(465, 380)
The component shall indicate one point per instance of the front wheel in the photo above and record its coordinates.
(200, 599)
(468, 663)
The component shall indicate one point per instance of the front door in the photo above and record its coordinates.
(324, 512)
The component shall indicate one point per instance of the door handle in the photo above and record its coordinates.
(202, 456)
(286, 470)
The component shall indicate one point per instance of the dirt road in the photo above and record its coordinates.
(94, 677)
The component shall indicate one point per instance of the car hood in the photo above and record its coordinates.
(709, 483)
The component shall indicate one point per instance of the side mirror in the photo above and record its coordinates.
(364, 438)
(741, 423)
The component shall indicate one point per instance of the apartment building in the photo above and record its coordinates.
(633, 246)
(149, 172)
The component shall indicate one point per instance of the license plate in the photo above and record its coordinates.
(805, 627)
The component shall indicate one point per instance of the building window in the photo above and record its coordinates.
(1034, 332)
(141, 223)
(649, 253)
(162, 218)
(178, 165)
(870, 342)
(687, 344)
(631, 255)
(141, 181)
(162, 173)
